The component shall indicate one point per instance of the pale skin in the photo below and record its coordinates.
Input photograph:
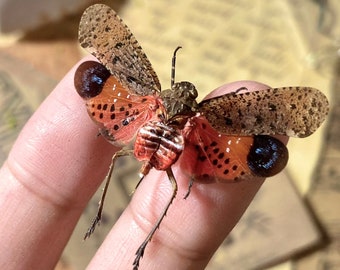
(57, 164)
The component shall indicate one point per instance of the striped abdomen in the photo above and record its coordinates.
(159, 144)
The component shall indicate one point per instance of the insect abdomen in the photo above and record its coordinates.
(158, 144)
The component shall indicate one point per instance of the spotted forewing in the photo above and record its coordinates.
(103, 33)
(291, 111)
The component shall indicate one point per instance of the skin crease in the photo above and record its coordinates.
(57, 164)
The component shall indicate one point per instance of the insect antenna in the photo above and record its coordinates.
(173, 66)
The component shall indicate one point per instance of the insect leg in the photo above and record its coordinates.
(141, 249)
(98, 216)
(140, 181)
(189, 188)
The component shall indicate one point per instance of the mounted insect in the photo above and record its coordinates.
(226, 138)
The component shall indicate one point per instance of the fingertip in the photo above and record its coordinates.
(61, 141)
(54, 167)
(235, 86)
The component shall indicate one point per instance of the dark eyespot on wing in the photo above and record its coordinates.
(267, 156)
(90, 78)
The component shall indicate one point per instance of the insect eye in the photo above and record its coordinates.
(90, 78)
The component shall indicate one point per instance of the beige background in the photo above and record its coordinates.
(280, 43)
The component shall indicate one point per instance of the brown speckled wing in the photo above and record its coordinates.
(291, 111)
(103, 33)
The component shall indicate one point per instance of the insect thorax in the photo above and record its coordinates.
(180, 100)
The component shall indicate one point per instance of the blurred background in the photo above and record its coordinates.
(294, 221)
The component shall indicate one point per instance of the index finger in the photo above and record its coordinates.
(53, 169)
(192, 229)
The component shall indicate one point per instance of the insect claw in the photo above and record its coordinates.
(95, 222)
(139, 254)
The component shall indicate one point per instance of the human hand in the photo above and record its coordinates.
(57, 164)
